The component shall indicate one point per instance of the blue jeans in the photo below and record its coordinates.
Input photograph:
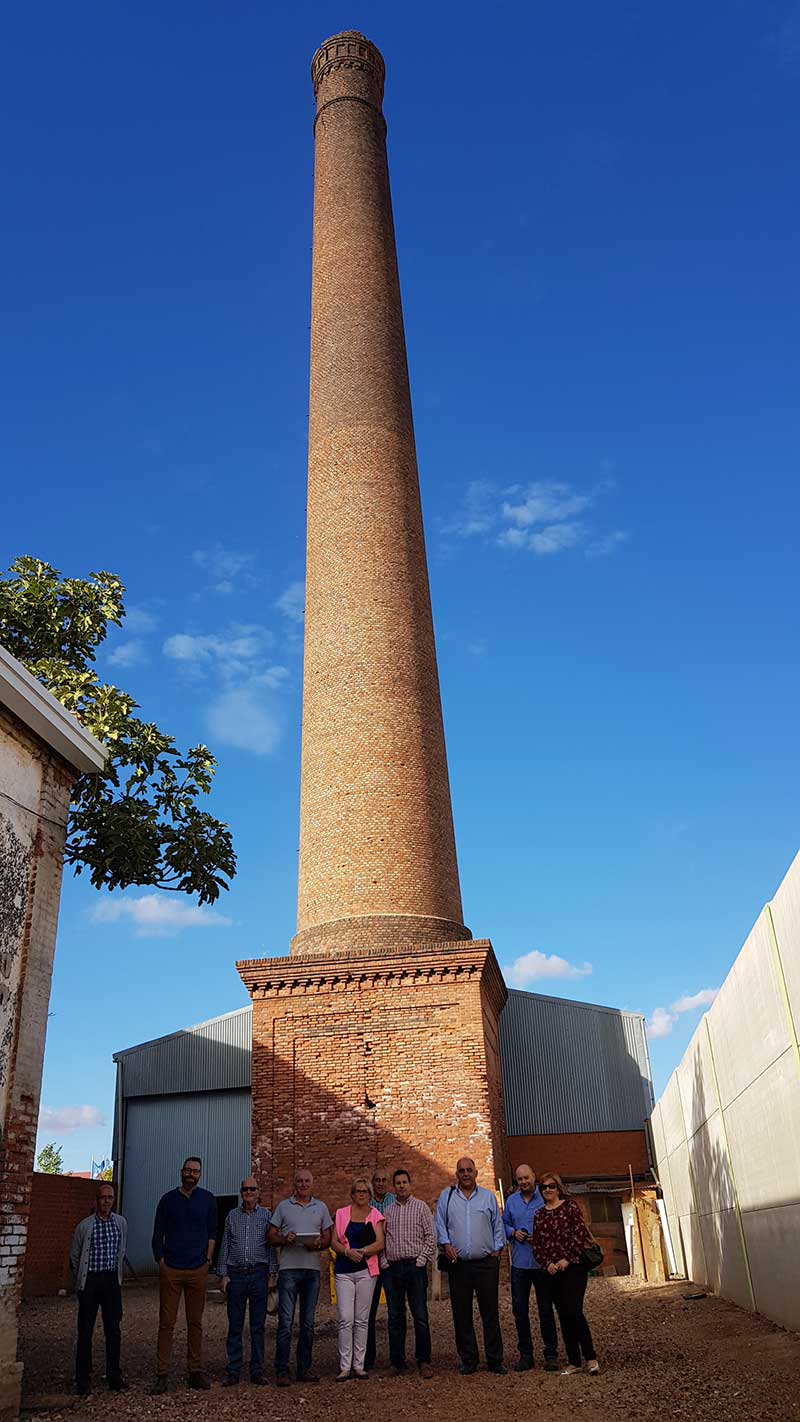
(521, 1281)
(404, 1282)
(294, 1284)
(244, 1289)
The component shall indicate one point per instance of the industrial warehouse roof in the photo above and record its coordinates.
(567, 1066)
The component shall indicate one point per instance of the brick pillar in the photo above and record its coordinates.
(376, 1040)
(377, 850)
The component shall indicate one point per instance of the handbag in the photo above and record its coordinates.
(591, 1254)
(443, 1264)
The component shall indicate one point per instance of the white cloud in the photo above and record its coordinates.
(532, 967)
(236, 653)
(292, 602)
(138, 619)
(662, 1021)
(690, 1001)
(62, 1120)
(239, 718)
(157, 915)
(128, 654)
(542, 518)
(224, 566)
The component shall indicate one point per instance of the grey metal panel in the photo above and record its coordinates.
(160, 1133)
(572, 1066)
(214, 1056)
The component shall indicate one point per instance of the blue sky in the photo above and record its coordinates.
(596, 211)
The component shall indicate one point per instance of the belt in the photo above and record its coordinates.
(248, 1269)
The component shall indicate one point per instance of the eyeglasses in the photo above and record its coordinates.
(549, 1185)
(249, 1189)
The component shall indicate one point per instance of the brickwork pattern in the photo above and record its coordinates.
(58, 1203)
(376, 1058)
(42, 823)
(583, 1155)
(376, 828)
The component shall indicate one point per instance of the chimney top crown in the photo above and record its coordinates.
(348, 50)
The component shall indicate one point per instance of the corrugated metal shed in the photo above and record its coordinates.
(213, 1056)
(572, 1066)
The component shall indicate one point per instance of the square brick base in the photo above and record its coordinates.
(373, 1058)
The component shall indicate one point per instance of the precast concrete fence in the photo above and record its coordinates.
(726, 1130)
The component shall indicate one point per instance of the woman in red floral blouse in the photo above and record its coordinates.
(558, 1240)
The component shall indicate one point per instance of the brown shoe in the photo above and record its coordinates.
(425, 1370)
(307, 1378)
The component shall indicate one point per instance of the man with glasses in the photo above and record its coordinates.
(382, 1198)
(518, 1217)
(470, 1232)
(244, 1266)
(96, 1258)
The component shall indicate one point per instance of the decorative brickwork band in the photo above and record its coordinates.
(376, 828)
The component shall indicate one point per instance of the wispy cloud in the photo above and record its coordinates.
(545, 517)
(128, 654)
(225, 567)
(157, 915)
(239, 718)
(139, 620)
(237, 651)
(535, 966)
(62, 1120)
(662, 1019)
(292, 602)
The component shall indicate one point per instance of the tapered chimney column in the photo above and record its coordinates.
(377, 850)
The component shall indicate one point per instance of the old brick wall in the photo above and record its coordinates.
(406, 1033)
(35, 789)
(58, 1203)
(583, 1155)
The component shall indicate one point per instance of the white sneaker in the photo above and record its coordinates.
(570, 1368)
(593, 1367)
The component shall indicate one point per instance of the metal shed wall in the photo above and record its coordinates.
(213, 1056)
(160, 1131)
(572, 1066)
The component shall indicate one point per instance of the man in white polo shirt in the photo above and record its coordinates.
(300, 1229)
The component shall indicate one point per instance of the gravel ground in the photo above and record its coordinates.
(662, 1357)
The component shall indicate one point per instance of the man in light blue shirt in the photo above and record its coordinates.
(470, 1232)
(518, 1221)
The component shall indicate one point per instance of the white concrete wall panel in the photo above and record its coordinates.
(725, 1260)
(696, 1081)
(692, 1241)
(786, 918)
(672, 1116)
(657, 1127)
(763, 1127)
(681, 1181)
(677, 1242)
(713, 1182)
(748, 1023)
(773, 1248)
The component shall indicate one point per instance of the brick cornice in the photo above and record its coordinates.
(455, 963)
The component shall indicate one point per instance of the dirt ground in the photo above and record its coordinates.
(663, 1356)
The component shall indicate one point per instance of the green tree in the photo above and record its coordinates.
(107, 1174)
(139, 821)
(49, 1161)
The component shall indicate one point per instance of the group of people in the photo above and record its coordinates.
(384, 1240)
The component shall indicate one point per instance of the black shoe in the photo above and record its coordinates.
(160, 1385)
(499, 1368)
(258, 1380)
(230, 1380)
(466, 1369)
(524, 1365)
(307, 1378)
(282, 1380)
(551, 1365)
(83, 1389)
(199, 1381)
(118, 1384)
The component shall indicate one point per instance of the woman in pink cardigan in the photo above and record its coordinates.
(356, 1241)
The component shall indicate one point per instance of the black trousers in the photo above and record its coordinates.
(372, 1344)
(476, 1279)
(101, 1291)
(568, 1289)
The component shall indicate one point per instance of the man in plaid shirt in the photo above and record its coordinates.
(410, 1243)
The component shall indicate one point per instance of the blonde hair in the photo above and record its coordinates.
(361, 1183)
(563, 1192)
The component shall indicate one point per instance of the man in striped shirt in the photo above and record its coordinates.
(410, 1243)
(244, 1265)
